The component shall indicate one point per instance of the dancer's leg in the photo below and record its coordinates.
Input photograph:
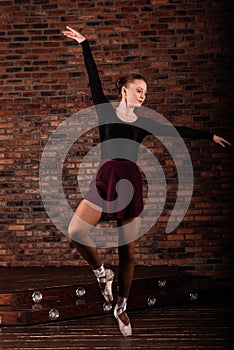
(126, 254)
(85, 216)
(126, 270)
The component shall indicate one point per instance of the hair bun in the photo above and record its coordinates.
(120, 82)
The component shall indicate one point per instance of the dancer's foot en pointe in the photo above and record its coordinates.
(122, 317)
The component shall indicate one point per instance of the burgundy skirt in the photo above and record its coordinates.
(104, 192)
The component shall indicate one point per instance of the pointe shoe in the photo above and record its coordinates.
(126, 330)
(107, 291)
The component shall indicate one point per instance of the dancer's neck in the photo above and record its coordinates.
(126, 113)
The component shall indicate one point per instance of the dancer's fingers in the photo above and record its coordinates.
(73, 30)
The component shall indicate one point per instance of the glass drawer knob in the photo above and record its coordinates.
(151, 301)
(53, 314)
(80, 292)
(37, 297)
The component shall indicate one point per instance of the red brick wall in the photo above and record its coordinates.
(183, 48)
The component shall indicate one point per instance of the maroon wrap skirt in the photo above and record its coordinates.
(103, 188)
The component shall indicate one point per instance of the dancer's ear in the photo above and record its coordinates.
(124, 90)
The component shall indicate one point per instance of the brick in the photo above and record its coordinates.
(16, 227)
(157, 2)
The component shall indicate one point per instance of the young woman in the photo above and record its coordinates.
(123, 123)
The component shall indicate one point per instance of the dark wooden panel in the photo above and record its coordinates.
(80, 307)
(18, 285)
(40, 313)
(152, 287)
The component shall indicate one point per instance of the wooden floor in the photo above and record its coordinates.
(204, 325)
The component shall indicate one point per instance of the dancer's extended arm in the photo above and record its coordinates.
(94, 79)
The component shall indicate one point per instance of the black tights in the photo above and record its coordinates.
(126, 268)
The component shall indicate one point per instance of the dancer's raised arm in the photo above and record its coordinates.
(94, 79)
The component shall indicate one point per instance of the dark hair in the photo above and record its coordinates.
(127, 79)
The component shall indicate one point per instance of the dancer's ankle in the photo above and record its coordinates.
(105, 279)
(100, 274)
(121, 304)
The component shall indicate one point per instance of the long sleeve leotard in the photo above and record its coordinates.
(112, 128)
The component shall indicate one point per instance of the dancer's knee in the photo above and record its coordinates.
(77, 229)
(72, 231)
(130, 256)
(127, 252)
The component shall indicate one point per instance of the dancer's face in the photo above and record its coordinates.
(134, 93)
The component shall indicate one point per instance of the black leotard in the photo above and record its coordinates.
(112, 128)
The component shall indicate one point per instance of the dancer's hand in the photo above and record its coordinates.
(221, 141)
(73, 34)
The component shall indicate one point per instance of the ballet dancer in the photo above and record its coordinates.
(123, 123)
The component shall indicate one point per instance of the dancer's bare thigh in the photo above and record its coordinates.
(88, 212)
